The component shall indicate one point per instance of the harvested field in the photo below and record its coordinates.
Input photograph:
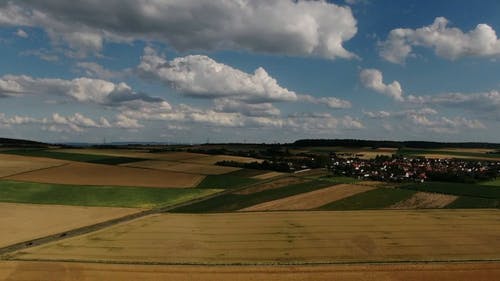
(425, 200)
(14, 164)
(374, 154)
(272, 185)
(267, 176)
(212, 159)
(45, 271)
(23, 222)
(311, 200)
(378, 198)
(471, 150)
(441, 156)
(286, 238)
(96, 174)
(184, 167)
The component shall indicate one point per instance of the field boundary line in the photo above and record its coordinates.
(36, 170)
(270, 264)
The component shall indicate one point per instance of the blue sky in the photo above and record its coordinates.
(254, 71)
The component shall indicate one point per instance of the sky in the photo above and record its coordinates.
(192, 71)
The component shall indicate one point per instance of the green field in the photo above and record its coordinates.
(109, 196)
(461, 189)
(225, 181)
(374, 199)
(89, 158)
(495, 182)
(233, 202)
(247, 173)
(465, 202)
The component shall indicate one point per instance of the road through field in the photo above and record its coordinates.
(286, 238)
(46, 271)
(21, 222)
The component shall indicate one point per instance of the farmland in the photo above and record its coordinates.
(22, 222)
(90, 158)
(96, 174)
(463, 189)
(235, 201)
(225, 181)
(191, 168)
(286, 238)
(451, 153)
(425, 200)
(311, 200)
(373, 199)
(14, 164)
(203, 214)
(111, 196)
(45, 271)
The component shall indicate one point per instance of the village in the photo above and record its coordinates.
(414, 169)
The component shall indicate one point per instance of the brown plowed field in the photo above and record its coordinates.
(46, 271)
(184, 167)
(425, 200)
(14, 164)
(96, 174)
(259, 238)
(272, 185)
(212, 159)
(23, 222)
(178, 156)
(311, 200)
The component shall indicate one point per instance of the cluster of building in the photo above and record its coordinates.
(405, 169)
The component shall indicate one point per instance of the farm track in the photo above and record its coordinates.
(35, 170)
(105, 224)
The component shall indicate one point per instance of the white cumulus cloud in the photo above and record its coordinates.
(373, 79)
(303, 28)
(447, 42)
(201, 76)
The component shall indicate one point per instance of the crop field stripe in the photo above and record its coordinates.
(466, 202)
(106, 196)
(461, 189)
(225, 181)
(304, 238)
(34, 170)
(233, 202)
(373, 199)
(442, 271)
(89, 158)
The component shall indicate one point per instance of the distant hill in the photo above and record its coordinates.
(21, 143)
(394, 144)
